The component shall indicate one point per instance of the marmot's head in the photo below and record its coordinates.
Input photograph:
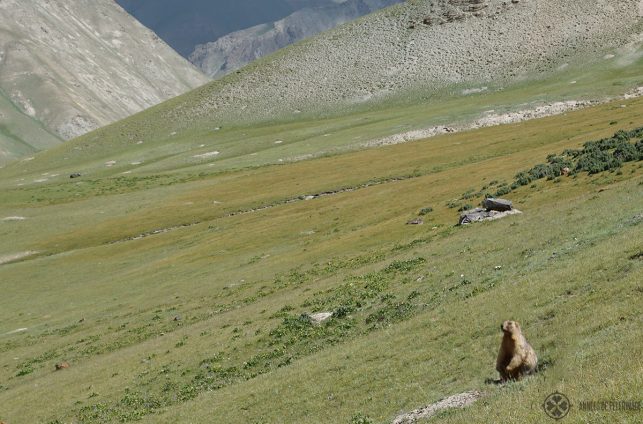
(510, 327)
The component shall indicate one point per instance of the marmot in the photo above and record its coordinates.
(62, 366)
(516, 357)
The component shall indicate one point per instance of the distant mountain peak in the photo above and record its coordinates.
(237, 49)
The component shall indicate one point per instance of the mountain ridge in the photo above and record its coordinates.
(235, 50)
(74, 69)
(390, 54)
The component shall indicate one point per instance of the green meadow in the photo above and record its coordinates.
(176, 287)
(175, 275)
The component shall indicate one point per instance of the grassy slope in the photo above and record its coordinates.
(20, 134)
(162, 139)
(227, 277)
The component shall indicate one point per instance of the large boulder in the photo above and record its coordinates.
(500, 205)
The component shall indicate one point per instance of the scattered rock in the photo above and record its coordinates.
(206, 155)
(480, 214)
(474, 90)
(17, 330)
(177, 318)
(416, 221)
(565, 171)
(110, 163)
(74, 175)
(319, 317)
(14, 218)
(456, 401)
(16, 256)
(500, 205)
(62, 365)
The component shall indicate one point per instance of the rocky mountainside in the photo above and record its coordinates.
(187, 23)
(239, 48)
(421, 47)
(69, 67)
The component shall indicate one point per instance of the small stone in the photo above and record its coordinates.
(416, 221)
(319, 317)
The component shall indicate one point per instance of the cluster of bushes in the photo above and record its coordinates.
(606, 154)
(594, 157)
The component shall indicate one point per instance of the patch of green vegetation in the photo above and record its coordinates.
(295, 337)
(595, 156)
(415, 308)
(360, 418)
(425, 211)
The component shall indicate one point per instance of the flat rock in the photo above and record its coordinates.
(320, 317)
(480, 214)
(456, 401)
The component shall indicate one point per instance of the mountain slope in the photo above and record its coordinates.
(76, 67)
(235, 50)
(187, 23)
(419, 48)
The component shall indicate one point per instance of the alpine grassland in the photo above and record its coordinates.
(281, 245)
(183, 293)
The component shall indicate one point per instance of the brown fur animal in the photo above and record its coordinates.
(62, 366)
(516, 357)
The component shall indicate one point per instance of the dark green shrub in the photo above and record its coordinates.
(502, 191)
(360, 418)
(626, 152)
(523, 178)
(540, 171)
(595, 161)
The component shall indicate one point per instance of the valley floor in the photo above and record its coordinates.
(178, 297)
